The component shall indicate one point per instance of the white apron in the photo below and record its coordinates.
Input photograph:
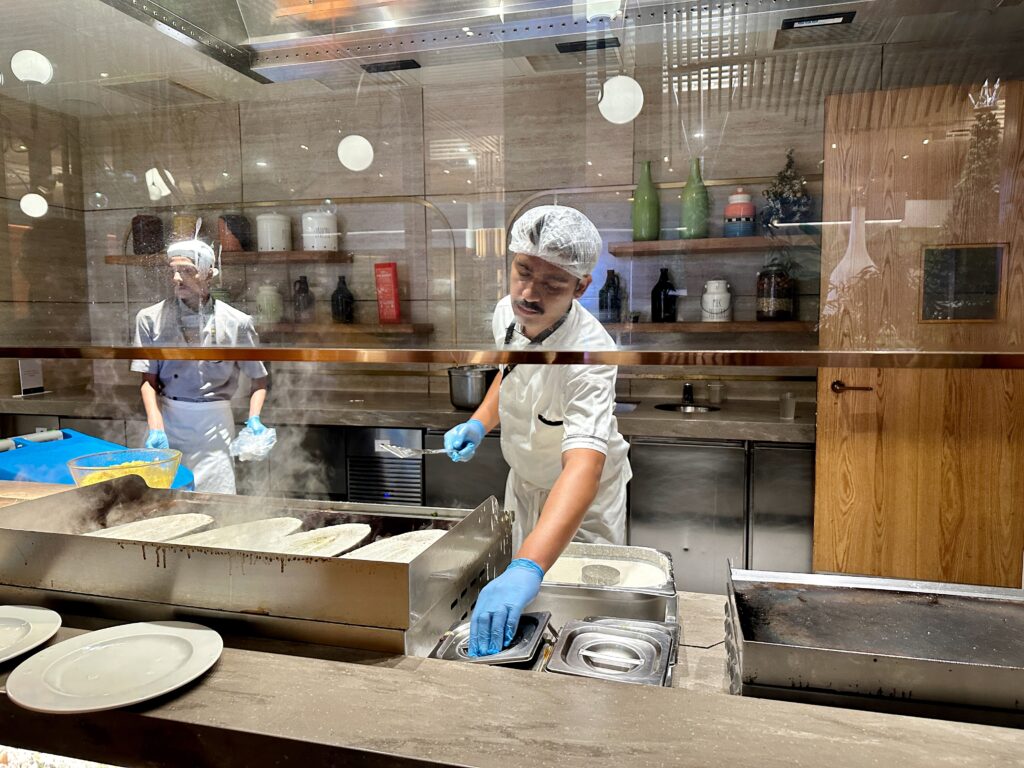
(203, 433)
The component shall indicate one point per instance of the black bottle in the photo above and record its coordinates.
(343, 303)
(303, 301)
(663, 299)
(609, 299)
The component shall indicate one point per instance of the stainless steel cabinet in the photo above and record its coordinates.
(689, 498)
(781, 507)
(465, 485)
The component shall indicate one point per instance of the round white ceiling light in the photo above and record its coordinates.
(355, 152)
(622, 98)
(34, 205)
(31, 67)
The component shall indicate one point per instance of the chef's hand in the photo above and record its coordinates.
(255, 425)
(462, 441)
(501, 602)
(157, 438)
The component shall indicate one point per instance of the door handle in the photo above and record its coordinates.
(838, 387)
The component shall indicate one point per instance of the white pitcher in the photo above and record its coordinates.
(716, 302)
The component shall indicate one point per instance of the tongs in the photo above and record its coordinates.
(408, 453)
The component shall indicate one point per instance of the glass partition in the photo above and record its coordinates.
(798, 177)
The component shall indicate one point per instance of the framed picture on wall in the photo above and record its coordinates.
(962, 283)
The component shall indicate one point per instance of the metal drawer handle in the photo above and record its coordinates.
(838, 387)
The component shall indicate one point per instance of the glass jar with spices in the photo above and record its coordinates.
(775, 293)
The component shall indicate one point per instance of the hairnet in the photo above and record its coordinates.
(559, 235)
(196, 251)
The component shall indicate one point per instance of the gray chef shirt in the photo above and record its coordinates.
(215, 324)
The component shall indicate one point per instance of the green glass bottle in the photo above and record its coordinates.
(646, 208)
(695, 204)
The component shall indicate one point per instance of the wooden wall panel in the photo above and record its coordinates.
(923, 477)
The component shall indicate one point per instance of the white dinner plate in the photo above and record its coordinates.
(260, 535)
(162, 528)
(114, 667)
(403, 548)
(324, 542)
(24, 627)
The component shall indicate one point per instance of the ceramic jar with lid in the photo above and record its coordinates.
(776, 293)
(273, 232)
(269, 305)
(739, 214)
(716, 302)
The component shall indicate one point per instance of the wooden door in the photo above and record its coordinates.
(921, 477)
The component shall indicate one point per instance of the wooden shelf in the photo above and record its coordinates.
(740, 326)
(237, 258)
(713, 245)
(342, 329)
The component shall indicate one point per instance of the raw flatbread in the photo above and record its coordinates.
(259, 535)
(403, 548)
(163, 528)
(632, 573)
(324, 542)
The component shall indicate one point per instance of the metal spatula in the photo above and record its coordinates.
(408, 453)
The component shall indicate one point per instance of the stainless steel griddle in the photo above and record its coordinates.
(384, 606)
(944, 650)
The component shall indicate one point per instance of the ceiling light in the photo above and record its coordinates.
(671, 170)
(597, 9)
(665, 158)
(926, 141)
(472, 161)
(465, 29)
(303, 146)
(834, 146)
(22, 147)
(469, 181)
(447, 171)
(622, 98)
(699, 135)
(906, 157)
(224, 174)
(261, 163)
(32, 67)
(355, 152)
(104, 74)
(589, 162)
(34, 205)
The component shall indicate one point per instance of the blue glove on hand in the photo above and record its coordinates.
(462, 441)
(157, 438)
(501, 602)
(255, 425)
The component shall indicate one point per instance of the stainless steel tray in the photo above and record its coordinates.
(892, 639)
(658, 628)
(608, 652)
(387, 606)
(453, 645)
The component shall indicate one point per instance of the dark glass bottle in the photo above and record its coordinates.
(343, 303)
(775, 293)
(609, 299)
(663, 299)
(303, 301)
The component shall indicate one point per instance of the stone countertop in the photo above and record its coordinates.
(737, 420)
(276, 703)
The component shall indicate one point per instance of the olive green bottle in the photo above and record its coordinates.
(695, 204)
(646, 208)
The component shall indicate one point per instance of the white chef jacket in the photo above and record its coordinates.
(548, 409)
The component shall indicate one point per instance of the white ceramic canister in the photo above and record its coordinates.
(269, 305)
(716, 302)
(319, 231)
(273, 232)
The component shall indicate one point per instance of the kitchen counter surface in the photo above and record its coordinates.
(738, 420)
(277, 703)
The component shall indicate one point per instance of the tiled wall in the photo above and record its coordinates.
(449, 161)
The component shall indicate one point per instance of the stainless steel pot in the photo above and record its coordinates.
(468, 384)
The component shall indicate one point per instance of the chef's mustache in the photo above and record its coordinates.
(532, 306)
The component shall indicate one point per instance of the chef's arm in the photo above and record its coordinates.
(150, 402)
(258, 396)
(570, 498)
(487, 413)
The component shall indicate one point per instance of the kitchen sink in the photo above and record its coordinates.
(680, 408)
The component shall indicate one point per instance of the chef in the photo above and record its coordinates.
(569, 467)
(188, 402)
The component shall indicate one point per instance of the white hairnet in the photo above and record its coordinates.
(196, 251)
(559, 235)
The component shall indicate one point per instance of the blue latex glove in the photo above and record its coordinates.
(500, 604)
(255, 425)
(462, 441)
(157, 438)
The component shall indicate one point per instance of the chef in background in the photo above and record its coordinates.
(188, 402)
(559, 435)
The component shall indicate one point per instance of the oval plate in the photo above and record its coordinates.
(24, 627)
